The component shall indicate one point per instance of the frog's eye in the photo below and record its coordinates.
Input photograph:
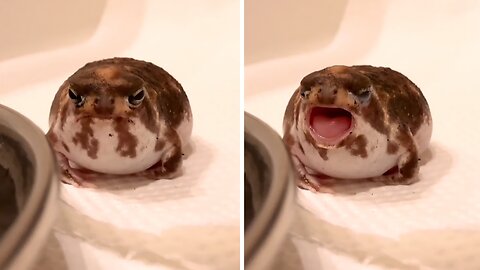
(137, 97)
(305, 93)
(364, 95)
(77, 99)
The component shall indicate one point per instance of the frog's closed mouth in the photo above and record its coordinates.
(330, 124)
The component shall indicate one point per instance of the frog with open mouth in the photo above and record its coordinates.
(356, 122)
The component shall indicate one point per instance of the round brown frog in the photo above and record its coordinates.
(356, 122)
(121, 117)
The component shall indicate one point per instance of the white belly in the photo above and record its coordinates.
(341, 163)
(108, 156)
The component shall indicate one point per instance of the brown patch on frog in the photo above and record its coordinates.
(172, 102)
(409, 169)
(298, 108)
(326, 99)
(288, 139)
(159, 144)
(148, 116)
(392, 148)
(63, 115)
(288, 119)
(127, 142)
(325, 84)
(165, 167)
(170, 136)
(322, 85)
(124, 76)
(172, 164)
(85, 138)
(288, 116)
(322, 80)
(404, 100)
(57, 104)
(172, 106)
(405, 109)
(65, 146)
(103, 106)
(357, 145)
(350, 79)
(374, 114)
(52, 137)
(405, 138)
(321, 151)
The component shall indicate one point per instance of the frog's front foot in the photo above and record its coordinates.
(309, 180)
(315, 183)
(74, 176)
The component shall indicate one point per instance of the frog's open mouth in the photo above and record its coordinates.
(330, 125)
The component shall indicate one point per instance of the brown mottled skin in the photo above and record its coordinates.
(356, 145)
(394, 92)
(396, 108)
(392, 148)
(88, 81)
(321, 151)
(85, 138)
(127, 142)
(107, 84)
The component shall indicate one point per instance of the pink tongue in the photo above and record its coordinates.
(330, 122)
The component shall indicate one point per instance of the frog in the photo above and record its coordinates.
(356, 122)
(119, 117)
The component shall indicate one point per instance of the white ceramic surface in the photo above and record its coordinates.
(188, 223)
(432, 224)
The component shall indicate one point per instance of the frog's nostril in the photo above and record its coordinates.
(104, 105)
